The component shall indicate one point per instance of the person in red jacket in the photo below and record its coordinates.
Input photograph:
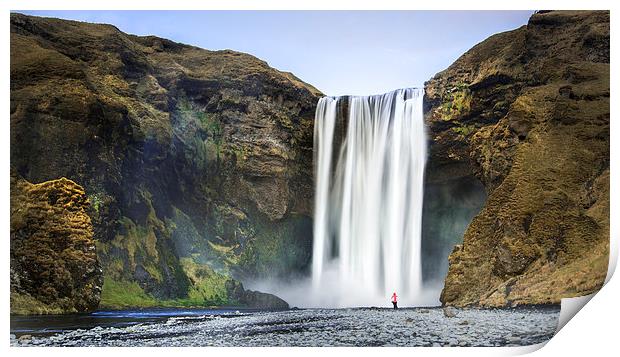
(395, 301)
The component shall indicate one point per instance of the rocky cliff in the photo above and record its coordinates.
(54, 267)
(195, 167)
(526, 112)
(197, 163)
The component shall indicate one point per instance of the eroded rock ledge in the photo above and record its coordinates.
(527, 113)
(54, 267)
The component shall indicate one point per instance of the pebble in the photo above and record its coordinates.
(449, 312)
(513, 339)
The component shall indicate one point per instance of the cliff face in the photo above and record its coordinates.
(54, 267)
(197, 164)
(526, 112)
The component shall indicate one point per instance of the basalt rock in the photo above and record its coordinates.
(183, 152)
(54, 267)
(526, 112)
(255, 299)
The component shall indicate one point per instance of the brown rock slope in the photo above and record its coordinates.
(54, 267)
(188, 156)
(527, 113)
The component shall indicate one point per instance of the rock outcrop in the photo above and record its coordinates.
(184, 153)
(255, 299)
(526, 112)
(54, 267)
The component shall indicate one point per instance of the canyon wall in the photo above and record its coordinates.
(526, 112)
(197, 164)
(191, 170)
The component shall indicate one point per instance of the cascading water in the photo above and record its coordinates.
(369, 192)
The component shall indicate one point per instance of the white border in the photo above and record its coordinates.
(591, 331)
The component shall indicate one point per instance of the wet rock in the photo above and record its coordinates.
(513, 339)
(25, 338)
(254, 299)
(449, 311)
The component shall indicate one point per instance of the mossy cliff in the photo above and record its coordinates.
(194, 161)
(197, 166)
(526, 112)
(54, 267)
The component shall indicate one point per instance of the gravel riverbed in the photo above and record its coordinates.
(323, 327)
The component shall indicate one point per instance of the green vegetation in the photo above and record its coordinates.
(464, 130)
(24, 304)
(457, 102)
(207, 288)
(139, 241)
(96, 201)
(122, 294)
(225, 253)
(207, 122)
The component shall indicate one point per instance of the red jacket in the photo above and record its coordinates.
(394, 298)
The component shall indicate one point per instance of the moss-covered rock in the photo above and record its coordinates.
(184, 152)
(533, 127)
(54, 267)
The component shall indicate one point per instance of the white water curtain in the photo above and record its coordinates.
(368, 204)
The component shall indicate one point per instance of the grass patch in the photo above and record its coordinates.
(124, 294)
(457, 103)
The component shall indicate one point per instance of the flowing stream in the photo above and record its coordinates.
(369, 170)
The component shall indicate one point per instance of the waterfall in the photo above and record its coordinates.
(368, 199)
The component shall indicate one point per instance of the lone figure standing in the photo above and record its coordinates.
(395, 301)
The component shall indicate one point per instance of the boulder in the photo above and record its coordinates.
(54, 266)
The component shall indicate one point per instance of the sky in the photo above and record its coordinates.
(338, 52)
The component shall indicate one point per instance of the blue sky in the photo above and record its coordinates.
(339, 52)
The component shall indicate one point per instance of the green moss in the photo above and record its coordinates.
(207, 288)
(225, 253)
(465, 130)
(154, 272)
(95, 201)
(457, 102)
(24, 304)
(209, 123)
(122, 294)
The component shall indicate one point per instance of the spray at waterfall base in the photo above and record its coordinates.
(370, 155)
